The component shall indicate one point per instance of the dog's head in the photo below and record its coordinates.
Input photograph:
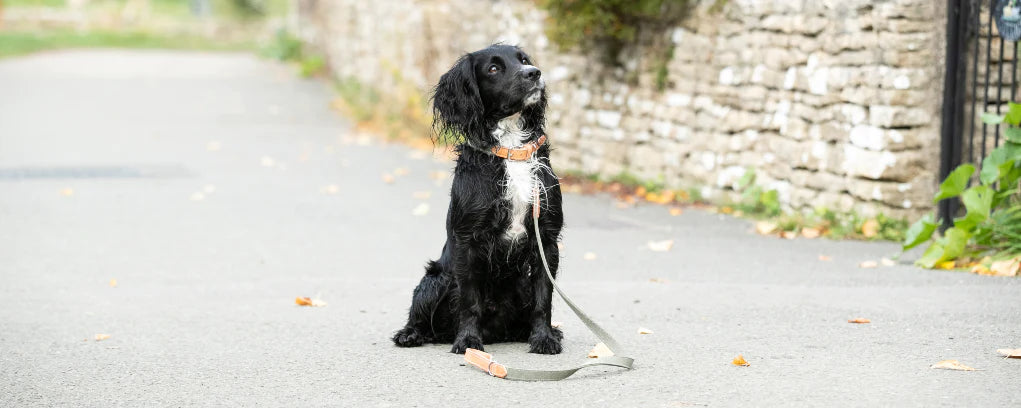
(485, 86)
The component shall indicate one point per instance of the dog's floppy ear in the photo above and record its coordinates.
(457, 106)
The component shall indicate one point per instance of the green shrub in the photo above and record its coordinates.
(991, 224)
(611, 23)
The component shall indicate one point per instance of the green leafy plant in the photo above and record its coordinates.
(991, 224)
(611, 23)
(754, 198)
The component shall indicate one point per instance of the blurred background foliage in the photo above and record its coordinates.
(33, 25)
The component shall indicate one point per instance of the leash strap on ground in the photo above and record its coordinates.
(485, 360)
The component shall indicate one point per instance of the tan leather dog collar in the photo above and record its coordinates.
(522, 153)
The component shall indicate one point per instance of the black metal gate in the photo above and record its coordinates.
(981, 76)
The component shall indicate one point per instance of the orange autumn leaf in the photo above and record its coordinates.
(810, 233)
(306, 301)
(825, 258)
(740, 361)
(870, 228)
(113, 283)
(951, 365)
(640, 191)
(859, 320)
(726, 210)
(675, 211)
(101, 337)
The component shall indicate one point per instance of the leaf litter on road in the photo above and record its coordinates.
(307, 301)
(661, 246)
(825, 258)
(859, 320)
(1010, 353)
(740, 361)
(600, 350)
(952, 365)
(868, 264)
(113, 283)
(644, 330)
(388, 178)
(101, 337)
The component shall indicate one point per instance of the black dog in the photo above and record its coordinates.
(489, 284)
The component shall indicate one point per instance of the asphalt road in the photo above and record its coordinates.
(202, 184)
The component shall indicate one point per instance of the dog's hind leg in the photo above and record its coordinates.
(425, 301)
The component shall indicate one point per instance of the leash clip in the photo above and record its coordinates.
(484, 361)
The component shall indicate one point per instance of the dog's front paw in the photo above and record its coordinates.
(408, 337)
(546, 344)
(557, 333)
(463, 343)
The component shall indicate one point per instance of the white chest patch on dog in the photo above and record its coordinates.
(520, 180)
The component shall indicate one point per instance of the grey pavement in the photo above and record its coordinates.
(109, 169)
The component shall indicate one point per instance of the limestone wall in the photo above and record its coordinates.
(834, 102)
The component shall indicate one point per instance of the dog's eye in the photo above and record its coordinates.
(494, 69)
(525, 61)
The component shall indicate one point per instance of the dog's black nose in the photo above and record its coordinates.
(532, 73)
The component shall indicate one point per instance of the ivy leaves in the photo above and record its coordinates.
(987, 203)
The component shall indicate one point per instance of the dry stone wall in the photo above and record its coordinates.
(834, 103)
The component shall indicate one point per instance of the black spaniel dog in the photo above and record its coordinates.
(488, 284)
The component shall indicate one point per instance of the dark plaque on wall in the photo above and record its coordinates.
(1007, 14)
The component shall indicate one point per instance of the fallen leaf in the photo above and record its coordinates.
(556, 325)
(589, 256)
(810, 233)
(640, 191)
(740, 361)
(421, 209)
(726, 210)
(825, 258)
(859, 320)
(658, 280)
(400, 171)
(1010, 353)
(388, 178)
(113, 283)
(887, 262)
(870, 228)
(101, 337)
(868, 264)
(330, 189)
(1006, 267)
(422, 195)
(600, 350)
(661, 246)
(981, 270)
(306, 301)
(789, 234)
(948, 265)
(213, 145)
(675, 211)
(267, 161)
(197, 196)
(67, 192)
(951, 365)
(642, 330)
(765, 227)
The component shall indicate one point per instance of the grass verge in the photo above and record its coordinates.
(13, 43)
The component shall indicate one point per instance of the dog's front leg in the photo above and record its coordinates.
(469, 274)
(544, 339)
